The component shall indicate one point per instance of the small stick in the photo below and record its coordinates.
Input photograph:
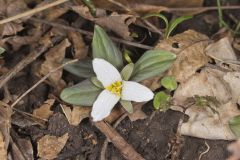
(57, 25)
(105, 143)
(32, 11)
(206, 151)
(41, 80)
(126, 149)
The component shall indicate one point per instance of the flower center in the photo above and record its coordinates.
(115, 88)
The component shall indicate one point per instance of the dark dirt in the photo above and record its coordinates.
(152, 139)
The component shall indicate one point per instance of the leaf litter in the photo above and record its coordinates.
(194, 51)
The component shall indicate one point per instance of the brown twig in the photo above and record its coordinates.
(27, 60)
(90, 34)
(126, 149)
(42, 80)
(32, 11)
(105, 143)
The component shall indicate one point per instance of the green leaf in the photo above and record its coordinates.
(127, 105)
(127, 71)
(234, 125)
(2, 50)
(83, 93)
(158, 15)
(152, 63)
(173, 24)
(169, 82)
(90, 6)
(161, 101)
(82, 68)
(96, 82)
(104, 48)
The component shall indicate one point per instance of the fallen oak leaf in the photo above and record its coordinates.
(50, 146)
(76, 115)
(44, 111)
(189, 47)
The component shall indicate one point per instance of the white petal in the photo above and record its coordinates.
(103, 105)
(132, 91)
(106, 72)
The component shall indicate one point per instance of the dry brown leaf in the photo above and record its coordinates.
(54, 58)
(10, 8)
(79, 46)
(221, 49)
(50, 146)
(233, 79)
(203, 123)
(137, 114)
(236, 44)
(189, 47)
(77, 114)
(115, 22)
(234, 148)
(44, 111)
(3, 149)
(206, 83)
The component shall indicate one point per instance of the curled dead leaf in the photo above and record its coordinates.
(44, 111)
(50, 146)
(76, 115)
(189, 47)
(205, 83)
(79, 46)
(115, 22)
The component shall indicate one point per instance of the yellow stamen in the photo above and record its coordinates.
(115, 88)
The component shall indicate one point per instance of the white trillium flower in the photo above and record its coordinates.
(115, 89)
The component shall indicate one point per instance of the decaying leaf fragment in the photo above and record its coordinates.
(115, 22)
(54, 58)
(10, 8)
(50, 146)
(3, 150)
(203, 121)
(189, 47)
(77, 114)
(44, 111)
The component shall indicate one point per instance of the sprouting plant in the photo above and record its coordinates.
(169, 26)
(108, 80)
(222, 22)
(163, 100)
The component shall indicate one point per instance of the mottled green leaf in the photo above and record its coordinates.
(96, 82)
(103, 47)
(161, 101)
(2, 50)
(152, 63)
(169, 82)
(127, 105)
(234, 125)
(82, 68)
(83, 93)
(127, 71)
